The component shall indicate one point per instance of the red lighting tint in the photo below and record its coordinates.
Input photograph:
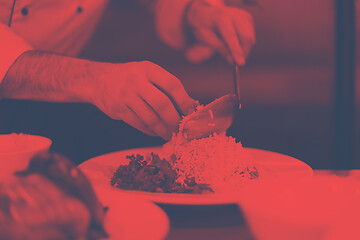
(306, 208)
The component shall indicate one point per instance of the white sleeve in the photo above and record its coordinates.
(11, 47)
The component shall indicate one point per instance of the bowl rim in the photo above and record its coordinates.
(45, 145)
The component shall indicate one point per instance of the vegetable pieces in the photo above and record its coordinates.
(154, 174)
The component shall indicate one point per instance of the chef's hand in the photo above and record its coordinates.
(143, 95)
(226, 30)
(140, 93)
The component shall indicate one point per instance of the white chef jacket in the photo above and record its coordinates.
(64, 26)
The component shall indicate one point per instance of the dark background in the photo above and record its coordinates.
(286, 86)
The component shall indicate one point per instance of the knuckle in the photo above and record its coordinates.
(219, 14)
(247, 15)
(174, 86)
(135, 74)
(148, 64)
(153, 122)
(157, 102)
(161, 105)
(252, 41)
(116, 113)
(222, 19)
(132, 66)
(249, 38)
(243, 13)
(133, 79)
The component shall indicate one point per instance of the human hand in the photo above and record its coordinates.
(226, 30)
(143, 95)
(140, 93)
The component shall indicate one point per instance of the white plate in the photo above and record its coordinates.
(130, 218)
(100, 170)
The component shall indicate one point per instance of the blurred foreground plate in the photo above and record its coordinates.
(270, 165)
(130, 218)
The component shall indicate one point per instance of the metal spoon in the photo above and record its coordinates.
(216, 117)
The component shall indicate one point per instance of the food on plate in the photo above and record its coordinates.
(217, 160)
(212, 164)
(209, 164)
(51, 199)
(153, 174)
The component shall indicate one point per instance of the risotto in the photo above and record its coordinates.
(217, 160)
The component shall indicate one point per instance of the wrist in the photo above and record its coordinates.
(87, 83)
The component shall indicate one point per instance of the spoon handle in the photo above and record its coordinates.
(237, 81)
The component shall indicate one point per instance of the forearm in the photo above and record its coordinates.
(44, 76)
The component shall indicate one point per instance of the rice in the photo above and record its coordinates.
(217, 160)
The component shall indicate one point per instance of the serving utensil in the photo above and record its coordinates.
(216, 117)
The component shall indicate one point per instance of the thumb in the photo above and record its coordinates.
(198, 53)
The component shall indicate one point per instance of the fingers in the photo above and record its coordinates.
(227, 30)
(172, 87)
(162, 106)
(133, 118)
(152, 119)
(199, 53)
(128, 114)
(211, 39)
(245, 30)
(236, 28)
(152, 112)
(230, 37)
(146, 97)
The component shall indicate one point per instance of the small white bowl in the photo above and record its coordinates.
(299, 209)
(16, 150)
